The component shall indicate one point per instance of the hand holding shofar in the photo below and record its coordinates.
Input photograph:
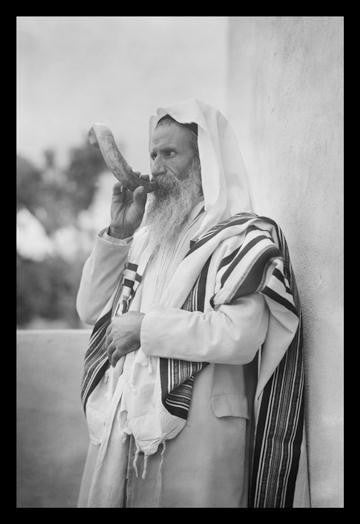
(130, 193)
(101, 136)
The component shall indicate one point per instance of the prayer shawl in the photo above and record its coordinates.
(260, 264)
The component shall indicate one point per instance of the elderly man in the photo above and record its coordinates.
(193, 379)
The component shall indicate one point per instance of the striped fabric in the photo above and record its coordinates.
(96, 360)
(280, 423)
(177, 376)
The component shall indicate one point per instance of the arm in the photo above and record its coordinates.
(103, 268)
(230, 335)
(100, 274)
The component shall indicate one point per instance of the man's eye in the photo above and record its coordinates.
(170, 154)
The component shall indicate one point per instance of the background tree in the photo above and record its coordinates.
(47, 289)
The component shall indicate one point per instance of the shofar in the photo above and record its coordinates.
(100, 136)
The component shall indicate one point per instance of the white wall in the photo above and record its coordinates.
(285, 82)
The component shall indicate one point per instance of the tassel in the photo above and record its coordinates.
(135, 460)
(162, 455)
(159, 478)
(143, 476)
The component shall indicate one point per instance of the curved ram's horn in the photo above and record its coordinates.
(101, 136)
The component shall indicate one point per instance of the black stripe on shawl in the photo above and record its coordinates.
(95, 352)
(181, 395)
(225, 261)
(199, 213)
(200, 306)
(294, 467)
(277, 273)
(260, 430)
(131, 266)
(252, 281)
(283, 247)
(240, 256)
(104, 319)
(95, 380)
(278, 298)
(234, 221)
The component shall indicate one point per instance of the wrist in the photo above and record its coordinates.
(118, 232)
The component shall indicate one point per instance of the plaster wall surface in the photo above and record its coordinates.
(285, 100)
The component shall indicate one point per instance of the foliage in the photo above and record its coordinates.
(85, 164)
(28, 184)
(57, 196)
(47, 289)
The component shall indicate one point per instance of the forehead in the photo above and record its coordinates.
(171, 135)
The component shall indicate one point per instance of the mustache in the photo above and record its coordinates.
(164, 179)
(166, 184)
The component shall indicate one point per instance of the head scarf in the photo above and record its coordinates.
(224, 179)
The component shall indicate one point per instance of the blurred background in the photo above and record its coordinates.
(72, 72)
(279, 81)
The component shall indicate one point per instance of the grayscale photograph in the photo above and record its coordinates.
(179, 262)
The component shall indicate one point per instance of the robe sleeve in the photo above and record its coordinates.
(232, 334)
(100, 274)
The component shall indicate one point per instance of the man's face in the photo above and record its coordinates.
(171, 152)
(176, 169)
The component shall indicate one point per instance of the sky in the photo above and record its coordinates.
(74, 71)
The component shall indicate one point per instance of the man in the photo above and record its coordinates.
(193, 379)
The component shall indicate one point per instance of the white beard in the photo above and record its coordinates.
(168, 208)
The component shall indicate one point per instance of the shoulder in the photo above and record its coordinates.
(242, 225)
(251, 235)
(243, 219)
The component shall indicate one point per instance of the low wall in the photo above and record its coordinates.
(51, 430)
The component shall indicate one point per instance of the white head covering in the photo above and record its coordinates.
(224, 180)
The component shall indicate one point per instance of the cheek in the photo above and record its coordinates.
(183, 170)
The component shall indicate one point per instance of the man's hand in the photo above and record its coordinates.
(127, 210)
(123, 335)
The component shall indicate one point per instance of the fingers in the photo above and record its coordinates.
(140, 197)
(113, 353)
(117, 188)
(118, 194)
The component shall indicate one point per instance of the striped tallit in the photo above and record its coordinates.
(259, 264)
(96, 361)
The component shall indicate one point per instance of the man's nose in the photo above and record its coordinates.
(158, 167)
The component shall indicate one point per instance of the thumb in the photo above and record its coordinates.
(140, 197)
